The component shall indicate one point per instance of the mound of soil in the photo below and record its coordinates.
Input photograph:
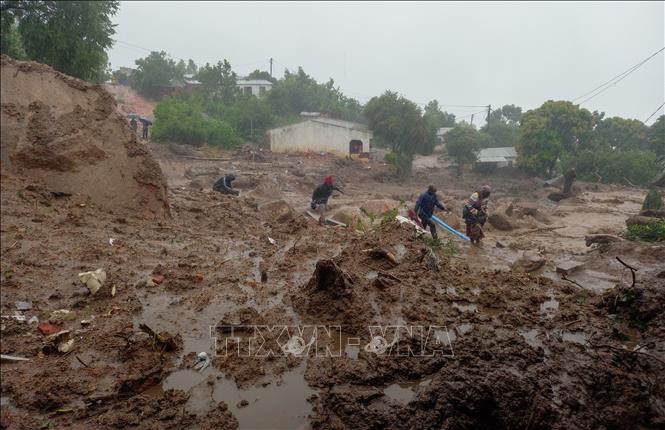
(67, 134)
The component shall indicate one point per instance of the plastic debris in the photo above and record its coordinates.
(93, 280)
(24, 306)
(33, 320)
(61, 315)
(66, 346)
(12, 358)
(202, 361)
(271, 240)
(48, 329)
(158, 279)
(111, 240)
(113, 290)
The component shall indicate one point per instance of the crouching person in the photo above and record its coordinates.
(224, 186)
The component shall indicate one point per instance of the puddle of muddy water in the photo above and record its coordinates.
(402, 393)
(531, 338)
(551, 306)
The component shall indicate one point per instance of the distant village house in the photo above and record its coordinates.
(254, 87)
(319, 134)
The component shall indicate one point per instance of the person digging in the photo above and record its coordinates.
(425, 209)
(475, 213)
(321, 195)
(224, 186)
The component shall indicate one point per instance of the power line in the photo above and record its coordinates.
(654, 112)
(615, 79)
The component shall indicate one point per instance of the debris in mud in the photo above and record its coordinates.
(166, 341)
(601, 239)
(61, 315)
(12, 358)
(202, 361)
(24, 306)
(529, 262)
(380, 253)
(500, 222)
(93, 280)
(48, 329)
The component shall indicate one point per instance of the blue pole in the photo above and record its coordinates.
(449, 228)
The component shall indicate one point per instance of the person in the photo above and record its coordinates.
(425, 209)
(145, 123)
(134, 125)
(475, 213)
(321, 195)
(224, 185)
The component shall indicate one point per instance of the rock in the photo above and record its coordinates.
(601, 238)
(641, 220)
(61, 315)
(499, 222)
(242, 404)
(557, 197)
(93, 280)
(278, 210)
(530, 210)
(66, 346)
(24, 306)
(452, 219)
(500, 245)
(529, 262)
(568, 266)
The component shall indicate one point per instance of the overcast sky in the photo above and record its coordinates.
(459, 53)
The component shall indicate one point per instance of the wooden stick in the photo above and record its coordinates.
(572, 281)
(81, 361)
(632, 270)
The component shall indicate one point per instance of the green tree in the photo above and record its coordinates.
(656, 136)
(219, 81)
(550, 130)
(191, 67)
(634, 167)
(11, 42)
(462, 144)
(434, 119)
(70, 36)
(153, 73)
(261, 74)
(396, 123)
(620, 133)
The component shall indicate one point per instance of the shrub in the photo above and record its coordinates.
(653, 200)
(613, 167)
(648, 233)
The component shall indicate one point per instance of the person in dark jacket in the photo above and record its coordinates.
(425, 209)
(145, 123)
(321, 195)
(224, 186)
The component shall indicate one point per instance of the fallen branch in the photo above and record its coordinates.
(565, 278)
(389, 276)
(632, 270)
(601, 238)
(81, 361)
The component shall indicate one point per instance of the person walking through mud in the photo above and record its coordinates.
(134, 125)
(321, 195)
(224, 186)
(425, 209)
(475, 213)
(144, 132)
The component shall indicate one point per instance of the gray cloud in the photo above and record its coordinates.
(458, 53)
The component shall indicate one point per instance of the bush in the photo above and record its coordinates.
(612, 166)
(649, 233)
(653, 200)
(402, 162)
(183, 121)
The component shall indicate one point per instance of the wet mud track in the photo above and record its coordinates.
(293, 326)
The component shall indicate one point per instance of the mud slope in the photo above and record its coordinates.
(66, 133)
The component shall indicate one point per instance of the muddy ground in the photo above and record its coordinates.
(511, 345)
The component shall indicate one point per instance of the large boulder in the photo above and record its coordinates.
(277, 210)
(500, 222)
(69, 135)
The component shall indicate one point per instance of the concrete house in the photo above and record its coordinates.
(254, 87)
(317, 134)
(495, 158)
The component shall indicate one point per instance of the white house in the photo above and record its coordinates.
(255, 87)
(318, 134)
(492, 158)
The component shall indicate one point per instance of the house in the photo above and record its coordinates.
(319, 134)
(254, 87)
(490, 159)
(441, 132)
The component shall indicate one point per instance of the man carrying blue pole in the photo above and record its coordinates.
(425, 209)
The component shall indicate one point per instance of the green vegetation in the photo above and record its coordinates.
(463, 144)
(633, 167)
(648, 233)
(653, 200)
(70, 36)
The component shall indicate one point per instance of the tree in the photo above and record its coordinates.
(503, 128)
(620, 133)
(191, 67)
(70, 36)
(219, 81)
(396, 123)
(153, 73)
(261, 74)
(656, 136)
(434, 119)
(550, 130)
(462, 144)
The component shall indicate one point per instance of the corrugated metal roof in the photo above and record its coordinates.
(254, 82)
(508, 151)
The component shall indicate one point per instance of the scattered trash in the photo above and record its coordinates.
(93, 280)
(12, 358)
(111, 240)
(157, 279)
(113, 291)
(164, 339)
(33, 320)
(24, 306)
(48, 329)
(61, 315)
(202, 361)
(271, 240)
(66, 346)
(382, 253)
(88, 321)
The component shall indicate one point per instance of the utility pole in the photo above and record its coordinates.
(472, 118)
(489, 111)
(270, 66)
